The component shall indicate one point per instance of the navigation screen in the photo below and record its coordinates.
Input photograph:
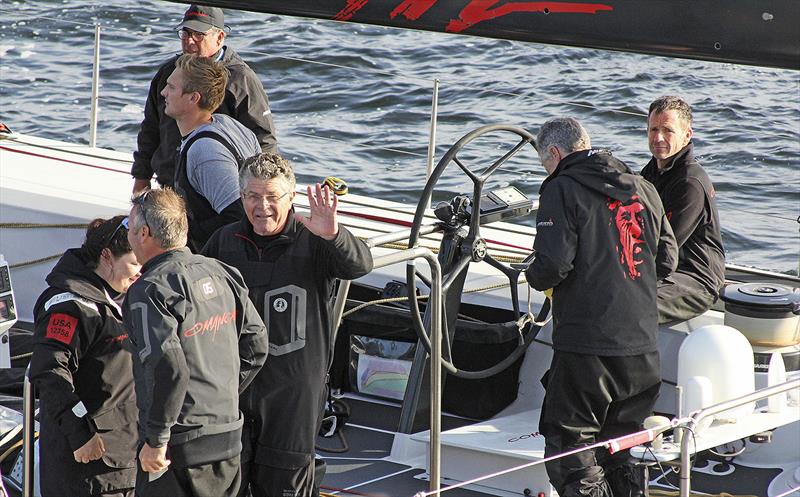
(5, 280)
(5, 309)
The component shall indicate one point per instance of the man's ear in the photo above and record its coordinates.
(555, 153)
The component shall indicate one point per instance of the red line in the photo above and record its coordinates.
(62, 160)
(389, 220)
(354, 214)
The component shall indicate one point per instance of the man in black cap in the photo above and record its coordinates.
(202, 33)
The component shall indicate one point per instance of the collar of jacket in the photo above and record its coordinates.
(169, 254)
(569, 161)
(72, 273)
(287, 234)
(679, 160)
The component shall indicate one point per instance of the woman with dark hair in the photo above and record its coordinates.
(83, 370)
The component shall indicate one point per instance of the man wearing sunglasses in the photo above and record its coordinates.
(196, 338)
(202, 33)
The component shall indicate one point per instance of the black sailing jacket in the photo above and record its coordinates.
(291, 278)
(82, 367)
(602, 241)
(159, 137)
(690, 203)
(199, 342)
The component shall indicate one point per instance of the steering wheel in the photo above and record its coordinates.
(470, 248)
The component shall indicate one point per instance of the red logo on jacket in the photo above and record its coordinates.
(62, 327)
(629, 223)
(211, 325)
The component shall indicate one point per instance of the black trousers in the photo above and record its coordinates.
(216, 479)
(590, 399)
(268, 481)
(681, 297)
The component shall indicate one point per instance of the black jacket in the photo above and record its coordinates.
(82, 367)
(690, 203)
(291, 278)
(199, 343)
(602, 240)
(159, 137)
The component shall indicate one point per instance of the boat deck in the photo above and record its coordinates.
(366, 468)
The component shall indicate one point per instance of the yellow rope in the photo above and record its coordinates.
(15, 446)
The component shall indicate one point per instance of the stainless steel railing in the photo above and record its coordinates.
(698, 416)
(28, 428)
(410, 256)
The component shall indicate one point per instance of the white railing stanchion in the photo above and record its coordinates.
(432, 135)
(436, 372)
(28, 429)
(95, 88)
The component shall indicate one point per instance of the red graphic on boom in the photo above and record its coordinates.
(630, 228)
(475, 11)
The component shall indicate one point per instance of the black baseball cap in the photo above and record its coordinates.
(201, 18)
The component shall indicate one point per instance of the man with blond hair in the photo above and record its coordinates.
(213, 146)
(199, 343)
(202, 32)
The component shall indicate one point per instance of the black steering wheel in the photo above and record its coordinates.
(469, 247)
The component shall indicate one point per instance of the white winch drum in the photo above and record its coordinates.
(766, 313)
(724, 357)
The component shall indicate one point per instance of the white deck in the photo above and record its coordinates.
(495, 445)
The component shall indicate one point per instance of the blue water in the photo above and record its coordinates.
(369, 121)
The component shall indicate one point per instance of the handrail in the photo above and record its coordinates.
(637, 438)
(410, 256)
(696, 417)
(28, 425)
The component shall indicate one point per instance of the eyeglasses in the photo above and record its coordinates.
(196, 36)
(140, 200)
(270, 199)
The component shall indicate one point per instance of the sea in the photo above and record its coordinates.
(354, 101)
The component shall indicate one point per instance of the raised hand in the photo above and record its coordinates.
(322, 221)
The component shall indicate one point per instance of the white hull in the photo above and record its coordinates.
(54, 183)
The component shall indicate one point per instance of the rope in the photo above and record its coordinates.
(423, 297)
(35, 261)
(435, 250)
(70, 226)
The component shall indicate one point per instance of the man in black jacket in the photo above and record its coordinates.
(199, 342)
(691, 206)
(291, 264)
(602, 241)
(202, 33)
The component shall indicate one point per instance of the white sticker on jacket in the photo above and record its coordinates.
(79, 410)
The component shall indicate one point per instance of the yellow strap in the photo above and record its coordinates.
(337, 186)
